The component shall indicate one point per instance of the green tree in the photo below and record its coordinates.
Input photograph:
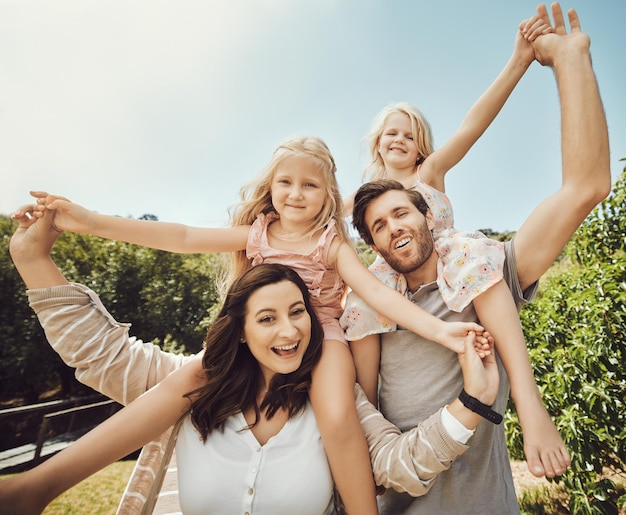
(576, 332)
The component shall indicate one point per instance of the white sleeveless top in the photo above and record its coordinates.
(232, 474)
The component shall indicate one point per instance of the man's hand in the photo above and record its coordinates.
(480, 375)
(549, 48)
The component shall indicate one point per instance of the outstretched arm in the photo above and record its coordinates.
(411, 461)
(586, 174)
(486, 108)
(158, 235)
(395, 306)
(124, 432)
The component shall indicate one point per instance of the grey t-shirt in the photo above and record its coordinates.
(417, 378)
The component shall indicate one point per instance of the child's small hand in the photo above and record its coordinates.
(483, 344)
(529, 30)
(452, 335)
(534, 27)
(67, 215)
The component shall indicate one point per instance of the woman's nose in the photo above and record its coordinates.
(287, 329)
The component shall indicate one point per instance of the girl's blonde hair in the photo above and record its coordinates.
(256, 196)
(422, 135)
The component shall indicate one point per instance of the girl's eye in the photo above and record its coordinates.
(310, 185)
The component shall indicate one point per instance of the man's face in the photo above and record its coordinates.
(400, 232)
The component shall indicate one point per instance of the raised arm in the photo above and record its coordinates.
(30, 248)
(395, 306)
(158, 235)
(586, 172)
(127, 430)
(411, 461)
(486, 108)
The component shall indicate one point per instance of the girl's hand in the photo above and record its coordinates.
(529, 30)
(452, 335)
(67, 215)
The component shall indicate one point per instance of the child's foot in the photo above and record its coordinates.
(546, 454)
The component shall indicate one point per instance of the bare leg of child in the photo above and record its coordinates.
(332, 398)
(546, 454)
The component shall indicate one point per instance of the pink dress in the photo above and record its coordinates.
(325, 286)
(469, 264)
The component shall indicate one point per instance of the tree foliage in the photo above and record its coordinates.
(166, 296)
(576, 333)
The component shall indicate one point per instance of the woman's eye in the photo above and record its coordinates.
(298, 311)
(266, 320)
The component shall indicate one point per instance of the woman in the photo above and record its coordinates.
(261, 369)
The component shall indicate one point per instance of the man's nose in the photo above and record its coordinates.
(394, 226)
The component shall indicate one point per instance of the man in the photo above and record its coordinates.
(417, 375)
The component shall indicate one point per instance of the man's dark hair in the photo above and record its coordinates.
(371, 191)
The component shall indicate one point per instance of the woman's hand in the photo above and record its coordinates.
(30, 247)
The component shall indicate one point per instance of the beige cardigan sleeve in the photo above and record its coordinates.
(106, 358)
(87, 337)
(411, 461)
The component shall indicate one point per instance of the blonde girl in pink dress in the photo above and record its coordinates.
(469, 266)
(292, 214)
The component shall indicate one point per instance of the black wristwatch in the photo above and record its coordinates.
(472, 403)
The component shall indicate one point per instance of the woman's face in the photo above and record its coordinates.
(277, 328)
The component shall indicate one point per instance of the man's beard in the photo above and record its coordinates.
(423, 239)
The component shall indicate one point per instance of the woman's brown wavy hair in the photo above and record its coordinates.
(233, 375)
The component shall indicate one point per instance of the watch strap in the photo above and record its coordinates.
(472, 403)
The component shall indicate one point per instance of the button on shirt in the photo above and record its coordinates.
(231, 473)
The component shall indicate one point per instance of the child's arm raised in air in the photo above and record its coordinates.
(135, 425)
(395, 306)
(157, 235)
(485, 109)
(366, 355)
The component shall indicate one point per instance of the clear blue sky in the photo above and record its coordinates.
(168, 108)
